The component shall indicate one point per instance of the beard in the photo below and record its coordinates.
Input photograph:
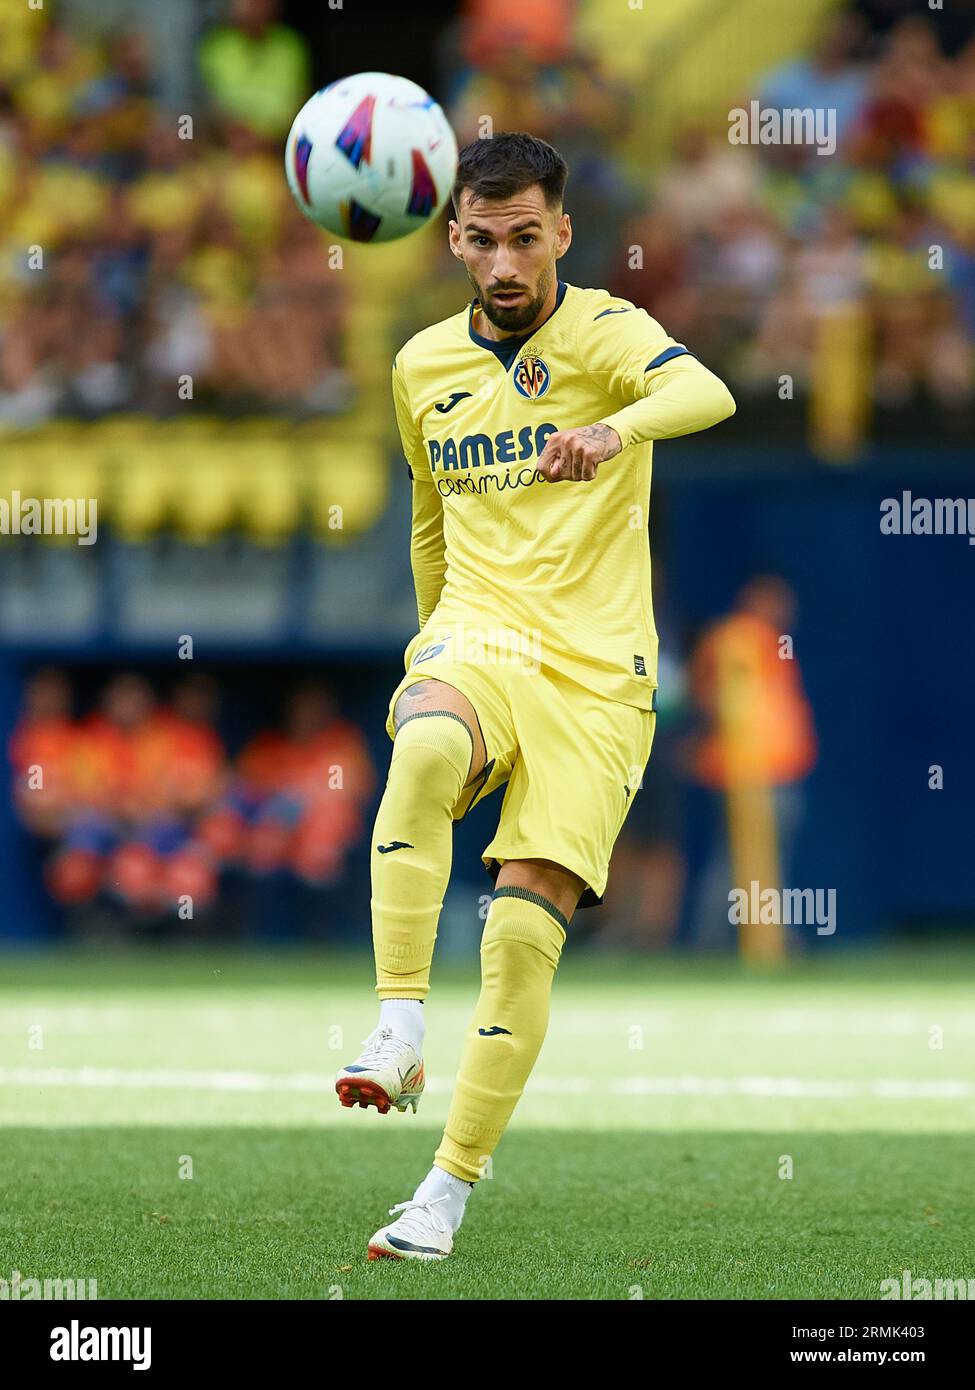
(520, 316)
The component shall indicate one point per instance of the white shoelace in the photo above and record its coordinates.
(412, 1227)
(380, 1043)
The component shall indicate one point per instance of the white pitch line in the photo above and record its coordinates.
(94, 1022)
(753, 1087)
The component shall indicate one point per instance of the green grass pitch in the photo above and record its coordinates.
(646, 1159)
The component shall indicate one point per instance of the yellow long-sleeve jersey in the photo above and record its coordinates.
(496, 544)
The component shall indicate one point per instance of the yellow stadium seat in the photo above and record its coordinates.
(270, 501)
(76, 473)
(348, 484)
(138, 493)
(204, 487)
(20, 463)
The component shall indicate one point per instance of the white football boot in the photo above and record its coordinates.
(388, 1072)
(421, 1233)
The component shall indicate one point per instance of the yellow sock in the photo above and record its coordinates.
(411, 848)
(520, 950)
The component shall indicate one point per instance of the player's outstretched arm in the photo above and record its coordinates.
(659, 389)
(682, 397)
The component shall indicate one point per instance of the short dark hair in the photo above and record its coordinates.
(508, 164)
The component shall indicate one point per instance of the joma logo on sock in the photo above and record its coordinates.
(493, 1031)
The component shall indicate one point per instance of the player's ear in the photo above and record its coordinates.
(453, 237)
(563, 236)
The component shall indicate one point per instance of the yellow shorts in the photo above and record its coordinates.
(572, 759)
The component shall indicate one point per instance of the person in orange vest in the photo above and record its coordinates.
(40, 752)
(306, 786)
(756, 732)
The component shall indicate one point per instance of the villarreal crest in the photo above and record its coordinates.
(532, 377)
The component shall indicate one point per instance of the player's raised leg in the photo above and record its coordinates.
(437, 750)
(520, 949)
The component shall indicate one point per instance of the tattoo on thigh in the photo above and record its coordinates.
(410, 701)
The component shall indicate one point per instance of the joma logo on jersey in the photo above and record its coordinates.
(532, 377)
(480, 450)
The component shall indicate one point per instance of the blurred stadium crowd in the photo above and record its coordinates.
(168, 247)
(172, 249)
(141, 814)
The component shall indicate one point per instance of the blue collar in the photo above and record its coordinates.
(507, 349)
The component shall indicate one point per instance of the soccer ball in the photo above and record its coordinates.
(371, 157)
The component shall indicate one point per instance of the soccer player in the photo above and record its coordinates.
(527, 422)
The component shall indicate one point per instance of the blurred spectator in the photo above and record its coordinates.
(541, 30)
(756, 736)
(256, 70)
(187, 749)
(304, 789)
(40, 753)
(919, 331)
(830, 78)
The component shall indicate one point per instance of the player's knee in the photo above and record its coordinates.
(431, 759)
(518, 923)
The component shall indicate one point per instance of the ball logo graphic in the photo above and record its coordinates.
(532, 377)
